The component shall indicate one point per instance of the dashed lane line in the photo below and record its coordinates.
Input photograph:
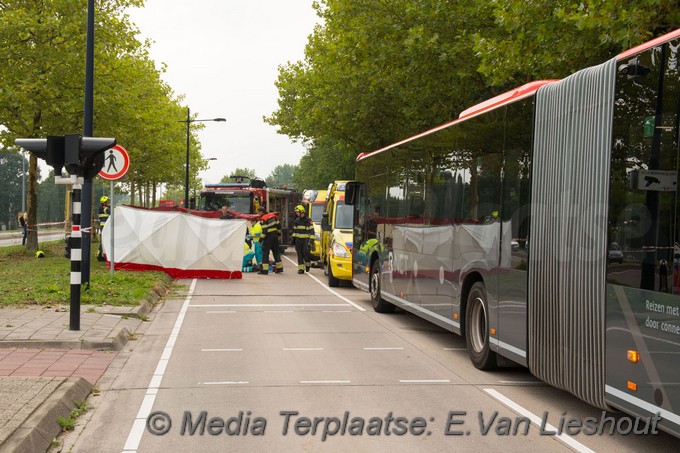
(335, 293)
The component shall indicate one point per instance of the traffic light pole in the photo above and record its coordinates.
(88, 129)
(83, 158)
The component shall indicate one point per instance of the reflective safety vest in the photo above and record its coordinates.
(255, 231)
(103, 215)
(270, 224)
(303, 228)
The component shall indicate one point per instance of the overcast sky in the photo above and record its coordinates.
(223, 55)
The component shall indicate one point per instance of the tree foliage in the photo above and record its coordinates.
(247, 172)
(11, 177)
(281, 175)
(314, 171)
(378, 71)
(554, 38)
(42, 71)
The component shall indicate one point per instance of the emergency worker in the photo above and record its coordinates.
(270, 240)
(303, 232)
(104, 213)
(255, 235)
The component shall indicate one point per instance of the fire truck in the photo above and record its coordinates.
(245, 196)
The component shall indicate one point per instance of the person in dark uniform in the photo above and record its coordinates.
(303, 231)
(270, 233)
(22, 221)
(104, 213)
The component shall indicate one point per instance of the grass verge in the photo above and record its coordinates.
(27, 280)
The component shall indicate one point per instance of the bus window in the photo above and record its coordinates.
(643, 208)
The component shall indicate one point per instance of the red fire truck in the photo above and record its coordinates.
(245, 197)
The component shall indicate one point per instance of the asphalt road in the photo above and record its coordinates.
(284, 363)
(7, 239)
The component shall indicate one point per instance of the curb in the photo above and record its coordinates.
(116, 343)
(117, 340)
(37, 432)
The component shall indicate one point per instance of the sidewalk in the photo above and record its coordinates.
(45, 367)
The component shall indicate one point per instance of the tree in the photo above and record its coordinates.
(51, 200)
(11, 177)
(42, 46)
(247, 172)
(554, 38)
(281, 176)
(314, 171)
(42, 49)
(379, 71)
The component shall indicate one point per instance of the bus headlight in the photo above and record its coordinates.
(339, 250)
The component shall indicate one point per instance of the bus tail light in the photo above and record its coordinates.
(633, 356)
(632, 386)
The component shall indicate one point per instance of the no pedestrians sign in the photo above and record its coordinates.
(116, 163)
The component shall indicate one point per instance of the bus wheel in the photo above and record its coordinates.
(379, 304)
(477, 329)
(332, 281)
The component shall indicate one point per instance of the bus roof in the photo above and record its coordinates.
(517, 94)
(648, 45)
(528, 89)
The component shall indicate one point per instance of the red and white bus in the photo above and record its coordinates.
(501, 227)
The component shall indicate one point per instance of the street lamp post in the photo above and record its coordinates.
(186, 175)
(206, 160)
(23, 183)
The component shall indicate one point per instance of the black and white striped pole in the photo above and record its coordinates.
(76, 256)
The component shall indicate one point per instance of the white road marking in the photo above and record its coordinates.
(139, 425)
(383, 349)
(335, 293)
(535, 419)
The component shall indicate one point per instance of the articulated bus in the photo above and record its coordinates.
(501, 227)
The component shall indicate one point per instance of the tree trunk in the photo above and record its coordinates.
(32, 205)
(153, 196)
(132, 193)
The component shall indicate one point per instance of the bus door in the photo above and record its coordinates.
(363, 243)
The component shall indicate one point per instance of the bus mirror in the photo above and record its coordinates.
(350, 193)
(325, 226)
